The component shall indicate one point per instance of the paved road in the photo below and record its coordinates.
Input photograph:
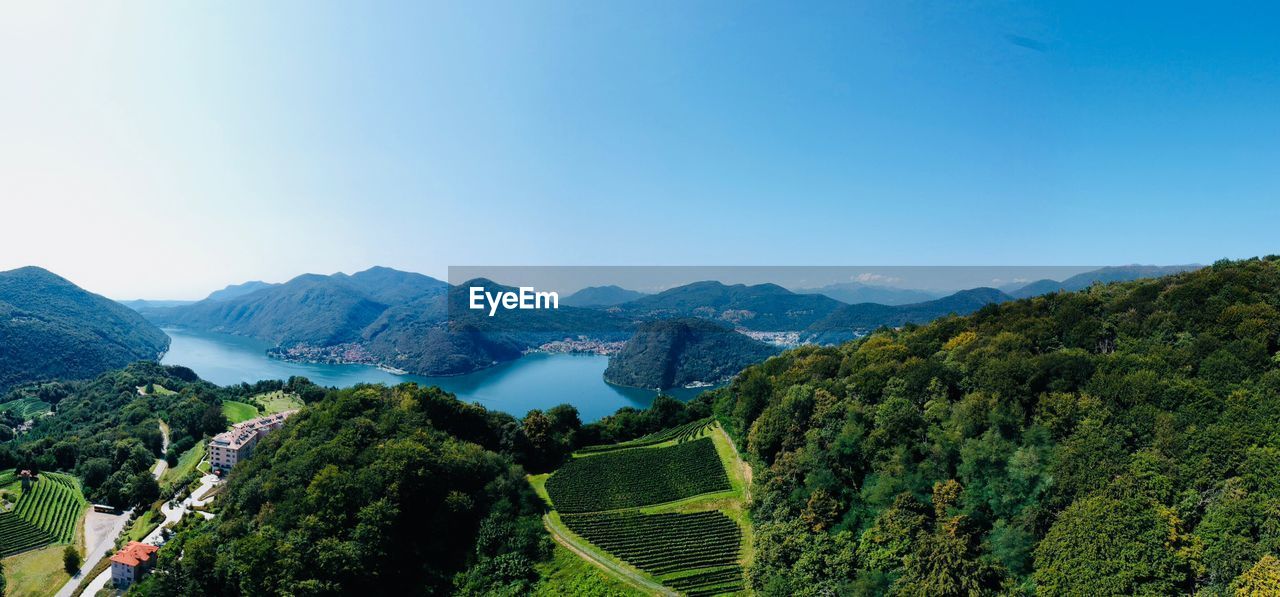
(100, 532)
(174, 513)
(161, 464)
(627, 576)
(99, 583)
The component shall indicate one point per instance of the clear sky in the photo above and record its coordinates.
(162, 149)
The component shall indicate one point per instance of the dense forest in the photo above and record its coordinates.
(1118, 440)
(397, 491)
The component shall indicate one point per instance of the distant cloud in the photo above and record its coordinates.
(1027, 42)
(870, 278)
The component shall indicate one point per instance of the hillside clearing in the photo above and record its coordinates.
(696, 545)
(237, 412)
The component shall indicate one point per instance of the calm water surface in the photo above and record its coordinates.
(534, 381)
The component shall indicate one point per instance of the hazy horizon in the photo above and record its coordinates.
(939, 280)
(163, 151)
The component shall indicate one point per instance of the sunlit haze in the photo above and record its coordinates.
(163, 150)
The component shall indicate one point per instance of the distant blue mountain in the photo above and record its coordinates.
(858, 292)
(850, 320)
(600, 296)
(238, 290)
(1123, 273)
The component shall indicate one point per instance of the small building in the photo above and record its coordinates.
(230, 447)
(132, 562)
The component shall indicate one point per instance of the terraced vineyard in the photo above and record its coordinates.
(26, 408)
(45, 514)
(632, 478)
(696, 553)
(680, 434)
(647, 503)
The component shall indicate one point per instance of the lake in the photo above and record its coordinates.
(536, 380)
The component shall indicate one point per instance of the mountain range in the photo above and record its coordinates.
(423, 325)
(860, 292)
(850, 321)
(1122, 273)
(52, 329)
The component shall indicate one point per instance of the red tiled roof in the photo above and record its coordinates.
(134, 553)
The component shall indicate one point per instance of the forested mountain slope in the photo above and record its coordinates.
(677, 352)
(52, 329)
(395, 491)
(763, 307)
(310, 309)
(107, 433)
(1118, 440)
(1105, 275)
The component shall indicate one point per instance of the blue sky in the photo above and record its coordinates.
(155, 150)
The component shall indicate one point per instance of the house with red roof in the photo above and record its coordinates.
(131, 563)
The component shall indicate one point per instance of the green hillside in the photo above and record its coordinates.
(1118, 440)
(677, 352)
(51, 329)
(764, 307)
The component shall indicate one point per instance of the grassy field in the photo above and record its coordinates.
(238, 411)
(157, 389)
(278, 401)
(186, 463)
(25, 408)
(261, 405)
(35, 573)
(144, 525)
(567, 574)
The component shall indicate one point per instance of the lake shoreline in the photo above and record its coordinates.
(537, 380)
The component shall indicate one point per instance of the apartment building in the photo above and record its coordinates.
(228, 448)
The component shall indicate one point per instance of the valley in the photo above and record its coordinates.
(968, 447)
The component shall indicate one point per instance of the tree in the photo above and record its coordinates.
(1104, 545)
(948, 561)
(884, 546)
(143, 490)
(71, 560)
(212, 421)
(1262, 580)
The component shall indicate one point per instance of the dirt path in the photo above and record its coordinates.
(627, 576)
(744, 469)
